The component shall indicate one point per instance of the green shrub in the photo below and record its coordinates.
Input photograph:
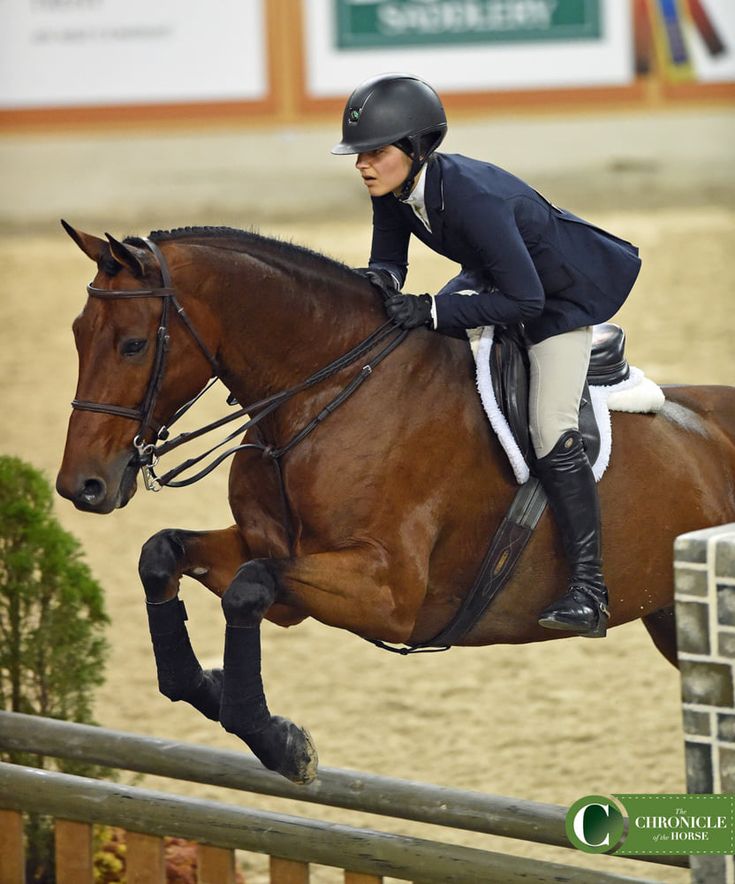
(52, 622)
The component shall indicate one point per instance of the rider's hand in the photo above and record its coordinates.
(383, 281)
(410, 311)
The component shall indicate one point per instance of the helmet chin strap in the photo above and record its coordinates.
(417, 161)
(416, 164)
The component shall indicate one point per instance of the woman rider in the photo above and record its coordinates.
(522, 260)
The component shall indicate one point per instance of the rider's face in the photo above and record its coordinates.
(383, 170)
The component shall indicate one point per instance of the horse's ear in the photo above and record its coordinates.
(126, 256)
(92, 246)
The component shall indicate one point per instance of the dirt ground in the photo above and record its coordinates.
(550, 722)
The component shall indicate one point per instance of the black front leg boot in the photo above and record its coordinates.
(279, 744)
(180, 677)
(567, 479)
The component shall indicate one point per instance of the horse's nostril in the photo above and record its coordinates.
(93, 491)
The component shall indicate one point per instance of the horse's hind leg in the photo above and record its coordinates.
(279, 743)
(661, 626)
(212, 558)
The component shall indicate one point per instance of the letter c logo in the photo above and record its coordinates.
(594, 824)
(579, 827)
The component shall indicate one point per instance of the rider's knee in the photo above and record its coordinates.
(545, 437)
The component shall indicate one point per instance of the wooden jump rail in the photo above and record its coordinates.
(360, 851)
(292, 842)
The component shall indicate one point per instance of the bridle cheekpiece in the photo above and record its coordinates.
(144, 412)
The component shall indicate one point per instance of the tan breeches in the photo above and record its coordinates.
(558, 372)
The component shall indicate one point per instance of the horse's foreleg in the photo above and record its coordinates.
(279, 743)
(211, 557)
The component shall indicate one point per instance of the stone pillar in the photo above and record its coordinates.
(704, 564)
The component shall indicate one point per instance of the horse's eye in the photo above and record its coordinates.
(133, 346)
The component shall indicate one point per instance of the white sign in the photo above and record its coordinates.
(102, 52)
(605, 59)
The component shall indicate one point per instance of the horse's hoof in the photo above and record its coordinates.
(301, 750)
(287, 749)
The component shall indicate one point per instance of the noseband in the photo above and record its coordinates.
(144, 412)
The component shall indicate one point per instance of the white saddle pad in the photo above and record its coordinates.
(635, 394)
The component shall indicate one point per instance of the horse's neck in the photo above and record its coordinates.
(277, 326)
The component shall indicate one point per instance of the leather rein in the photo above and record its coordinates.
(148, 453)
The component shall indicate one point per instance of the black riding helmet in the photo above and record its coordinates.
(397, 109)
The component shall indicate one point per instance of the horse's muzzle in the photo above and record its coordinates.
(96, 494)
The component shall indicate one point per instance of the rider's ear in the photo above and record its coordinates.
(92, 246)
(126, 257)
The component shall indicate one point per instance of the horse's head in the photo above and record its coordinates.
(136, 367)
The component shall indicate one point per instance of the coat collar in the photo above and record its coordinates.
(434, 197)
(434, 202)
(434, 187)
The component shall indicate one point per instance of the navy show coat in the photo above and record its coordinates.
(527, 260)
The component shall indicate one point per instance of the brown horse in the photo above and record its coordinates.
(383, 512)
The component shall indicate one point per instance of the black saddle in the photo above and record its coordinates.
(510, 374)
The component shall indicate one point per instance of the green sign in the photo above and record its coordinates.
(363, 24)
(655, 824)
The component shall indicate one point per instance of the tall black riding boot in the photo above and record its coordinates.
(567, 479)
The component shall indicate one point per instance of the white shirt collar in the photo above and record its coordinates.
(416, 199)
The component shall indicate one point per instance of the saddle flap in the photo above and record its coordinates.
(509, 373)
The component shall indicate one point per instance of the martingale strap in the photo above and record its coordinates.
(505, 549)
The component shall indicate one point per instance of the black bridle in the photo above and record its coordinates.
(148, 452)
(144, 412)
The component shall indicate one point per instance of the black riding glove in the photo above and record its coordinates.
(383, 281)
(410, 311)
